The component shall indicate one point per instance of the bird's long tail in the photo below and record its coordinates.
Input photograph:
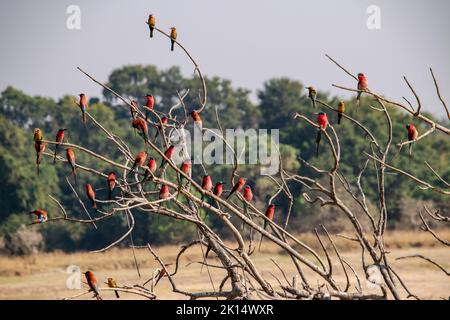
(117, 294)
(38, 162)
(319, 136)
(110, 194)
(94, 204)
(172, 45)
(262, 236)
(151, 32)
(314, 102)
(74, 173)
(358, 97)
(339, 118)
(410, 149)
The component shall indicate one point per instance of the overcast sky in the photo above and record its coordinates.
(247, 42)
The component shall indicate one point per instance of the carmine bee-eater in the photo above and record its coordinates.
(270, 212)
(237, 187)
(160, 127)
(138, 161)
(151, 164)
(111, 181)
(248, 196)
(41, 216)
(206, 184)
(164, 192)
(149, 104)
(186, 169)
(312, 94)
(162, 273)
(218, 189)
(322, 121)
(173, 37)
(91, 194)
(169, 154)
(112, 284)
(151, 24)
(142, 127)
(412, 135)
(197, 120)
(39, 146)
(341, 110)
(134, 108)
(83, 104)
(363, 84)
(59, 139)
(71, 159)
(92, 283)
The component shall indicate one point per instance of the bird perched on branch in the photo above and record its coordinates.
(161, 126)
(363, 84)
(111, 181)
(138, 161)
(70, 155)
(164, 192)
(142, 127)
(134, 108)
(149, 104)
(92, 283)
(162, 273)
(38, 136)
(237, 187)
(151, 24)
(341, 110)
(91, 194)
(270, 212)
(39, 147)
(151, 164)
(218, 189)
(112, 284)
(59, 139)
(169, 154)
(173, 37)
(41, 216)
(248, 196)
(197, 120)
(322, 121)
(412, 135)
(312, 94)
(206, 184)
(83, 104)
(186, 167)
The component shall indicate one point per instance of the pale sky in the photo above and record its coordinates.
(247, 42)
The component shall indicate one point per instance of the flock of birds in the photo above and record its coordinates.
(141, 125)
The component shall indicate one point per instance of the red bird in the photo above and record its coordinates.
(141, 125)
(92, 283)
(91, 194)
(134, 108)
(412, 135)
(41, 216)
(71, 159)
(164, 192)
(247, 193)
(139, 161)
(149, 104)
(237, 187)
(83, 104)
(111, 180)
(151, 164)
(322, 121)
(159, 128)
(39, 147)
(59, 139)
(270, 212)
(186, 169)
(206, 184)
(169, 154)
(162, 273)
(363, 84)
(197, 120)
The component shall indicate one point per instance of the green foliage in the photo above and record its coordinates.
(21, 190)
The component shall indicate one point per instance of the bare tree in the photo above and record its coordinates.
(240, 271)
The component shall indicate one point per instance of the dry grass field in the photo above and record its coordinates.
(43, 276)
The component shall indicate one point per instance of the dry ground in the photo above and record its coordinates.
(43, 276)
